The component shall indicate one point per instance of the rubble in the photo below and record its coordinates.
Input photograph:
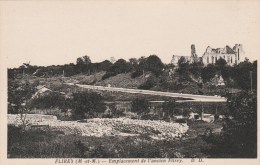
(99, 127)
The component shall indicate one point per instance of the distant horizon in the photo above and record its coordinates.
(57, 33)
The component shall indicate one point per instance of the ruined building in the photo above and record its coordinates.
(232, 56)
(211, 55)
(192, 58)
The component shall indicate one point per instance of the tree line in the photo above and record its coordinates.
(242, 75)
(85, 66)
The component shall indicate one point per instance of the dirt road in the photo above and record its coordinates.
(196, 98)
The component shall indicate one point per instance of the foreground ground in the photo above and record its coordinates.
(130, 139)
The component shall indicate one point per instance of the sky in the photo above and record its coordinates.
(58, 32)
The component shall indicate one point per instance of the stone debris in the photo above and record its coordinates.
(99, 127)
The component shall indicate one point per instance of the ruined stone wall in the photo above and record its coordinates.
(211, 58)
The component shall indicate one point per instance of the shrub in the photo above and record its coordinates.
(137, 73)
(239, 135)
(181, 121)
(150, 82)
(140, 106)
(50, 101)
(87, 104)
(169, 108)
(150, 117)
(108, 74)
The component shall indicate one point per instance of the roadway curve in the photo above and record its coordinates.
(196, 98)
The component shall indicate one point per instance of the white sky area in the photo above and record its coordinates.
(56, 33)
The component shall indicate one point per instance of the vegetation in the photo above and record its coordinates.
(53, 144)
(154, 65)
(239, 136)
(140, 106)
(120, 66)
(86, 105)
(19, 98)
(149, 83)
(50, 101)
(169, 108)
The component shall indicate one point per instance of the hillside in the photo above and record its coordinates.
(162, 83)
(124, 80)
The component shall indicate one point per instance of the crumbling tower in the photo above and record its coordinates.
(238, 49)
(194, 56)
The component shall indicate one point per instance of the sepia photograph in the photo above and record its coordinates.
(129, 82)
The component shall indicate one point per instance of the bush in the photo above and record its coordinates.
(150, 117)
(108, 74)
(137, 73)
(239, 135)
(140, 106)
(169, 108)
(86, 104)
(150, 82)
(50, 101)
(181, 121)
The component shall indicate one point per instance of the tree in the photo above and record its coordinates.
(239, 135)
(120, 66)
(196, 68)
(83, 60)
(221, 67)
(242, 75)
(105, 65)
(184, 67)
(140, 106)
(140, 68)
(208, 72)
(221, 63)
(133, 62)
(86, 104)
(182, 61)
(83, 63)
(50, 101)
(19, 98)
(69, 69)
(226, 73)
(154, 64)
(80, 61)
(86, 60)
(169, 108)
